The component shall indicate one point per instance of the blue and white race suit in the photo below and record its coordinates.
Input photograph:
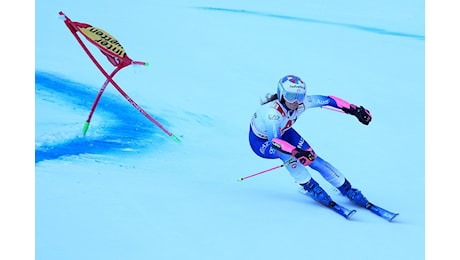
(275, 120)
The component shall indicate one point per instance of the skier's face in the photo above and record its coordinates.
(292, 106)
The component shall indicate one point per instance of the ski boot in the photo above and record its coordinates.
(313, 189)
(317, 193)
(357, 197)
(354, 195)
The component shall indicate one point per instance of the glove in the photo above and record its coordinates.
(305, 157)
(363, 115)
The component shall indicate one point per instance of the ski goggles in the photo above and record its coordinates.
(291, 97)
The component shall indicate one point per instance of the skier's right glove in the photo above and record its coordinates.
(363, 115)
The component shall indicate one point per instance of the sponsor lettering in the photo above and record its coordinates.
(322, 102)
(333, 171)
(300, 143)
(104, 39)
(273, 117)
(263, 147)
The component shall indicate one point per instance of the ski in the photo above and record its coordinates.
(346, 213)
(341, 210)
(381, 212)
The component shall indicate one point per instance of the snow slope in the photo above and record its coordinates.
(127, 191)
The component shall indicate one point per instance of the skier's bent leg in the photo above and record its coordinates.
(338, 180)
(329, 172)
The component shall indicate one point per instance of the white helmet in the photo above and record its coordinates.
(291, 88)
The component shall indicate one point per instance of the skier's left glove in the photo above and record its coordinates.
(363, 115)
(304, 157)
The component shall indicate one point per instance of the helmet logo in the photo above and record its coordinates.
(291, 88)
(295, 80)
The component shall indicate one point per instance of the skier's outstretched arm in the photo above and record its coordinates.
(363, 115)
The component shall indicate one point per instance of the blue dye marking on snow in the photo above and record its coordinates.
(76, 146)
(131, 131)
(301, 19)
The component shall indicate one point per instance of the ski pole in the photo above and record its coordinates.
(274, 168)
(336, 110)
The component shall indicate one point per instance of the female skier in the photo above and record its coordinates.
(271, 136)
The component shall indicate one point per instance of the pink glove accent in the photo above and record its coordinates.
(282, 146)
(340, 102)
(305, 157)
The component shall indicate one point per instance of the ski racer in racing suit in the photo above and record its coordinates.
(271, 136)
